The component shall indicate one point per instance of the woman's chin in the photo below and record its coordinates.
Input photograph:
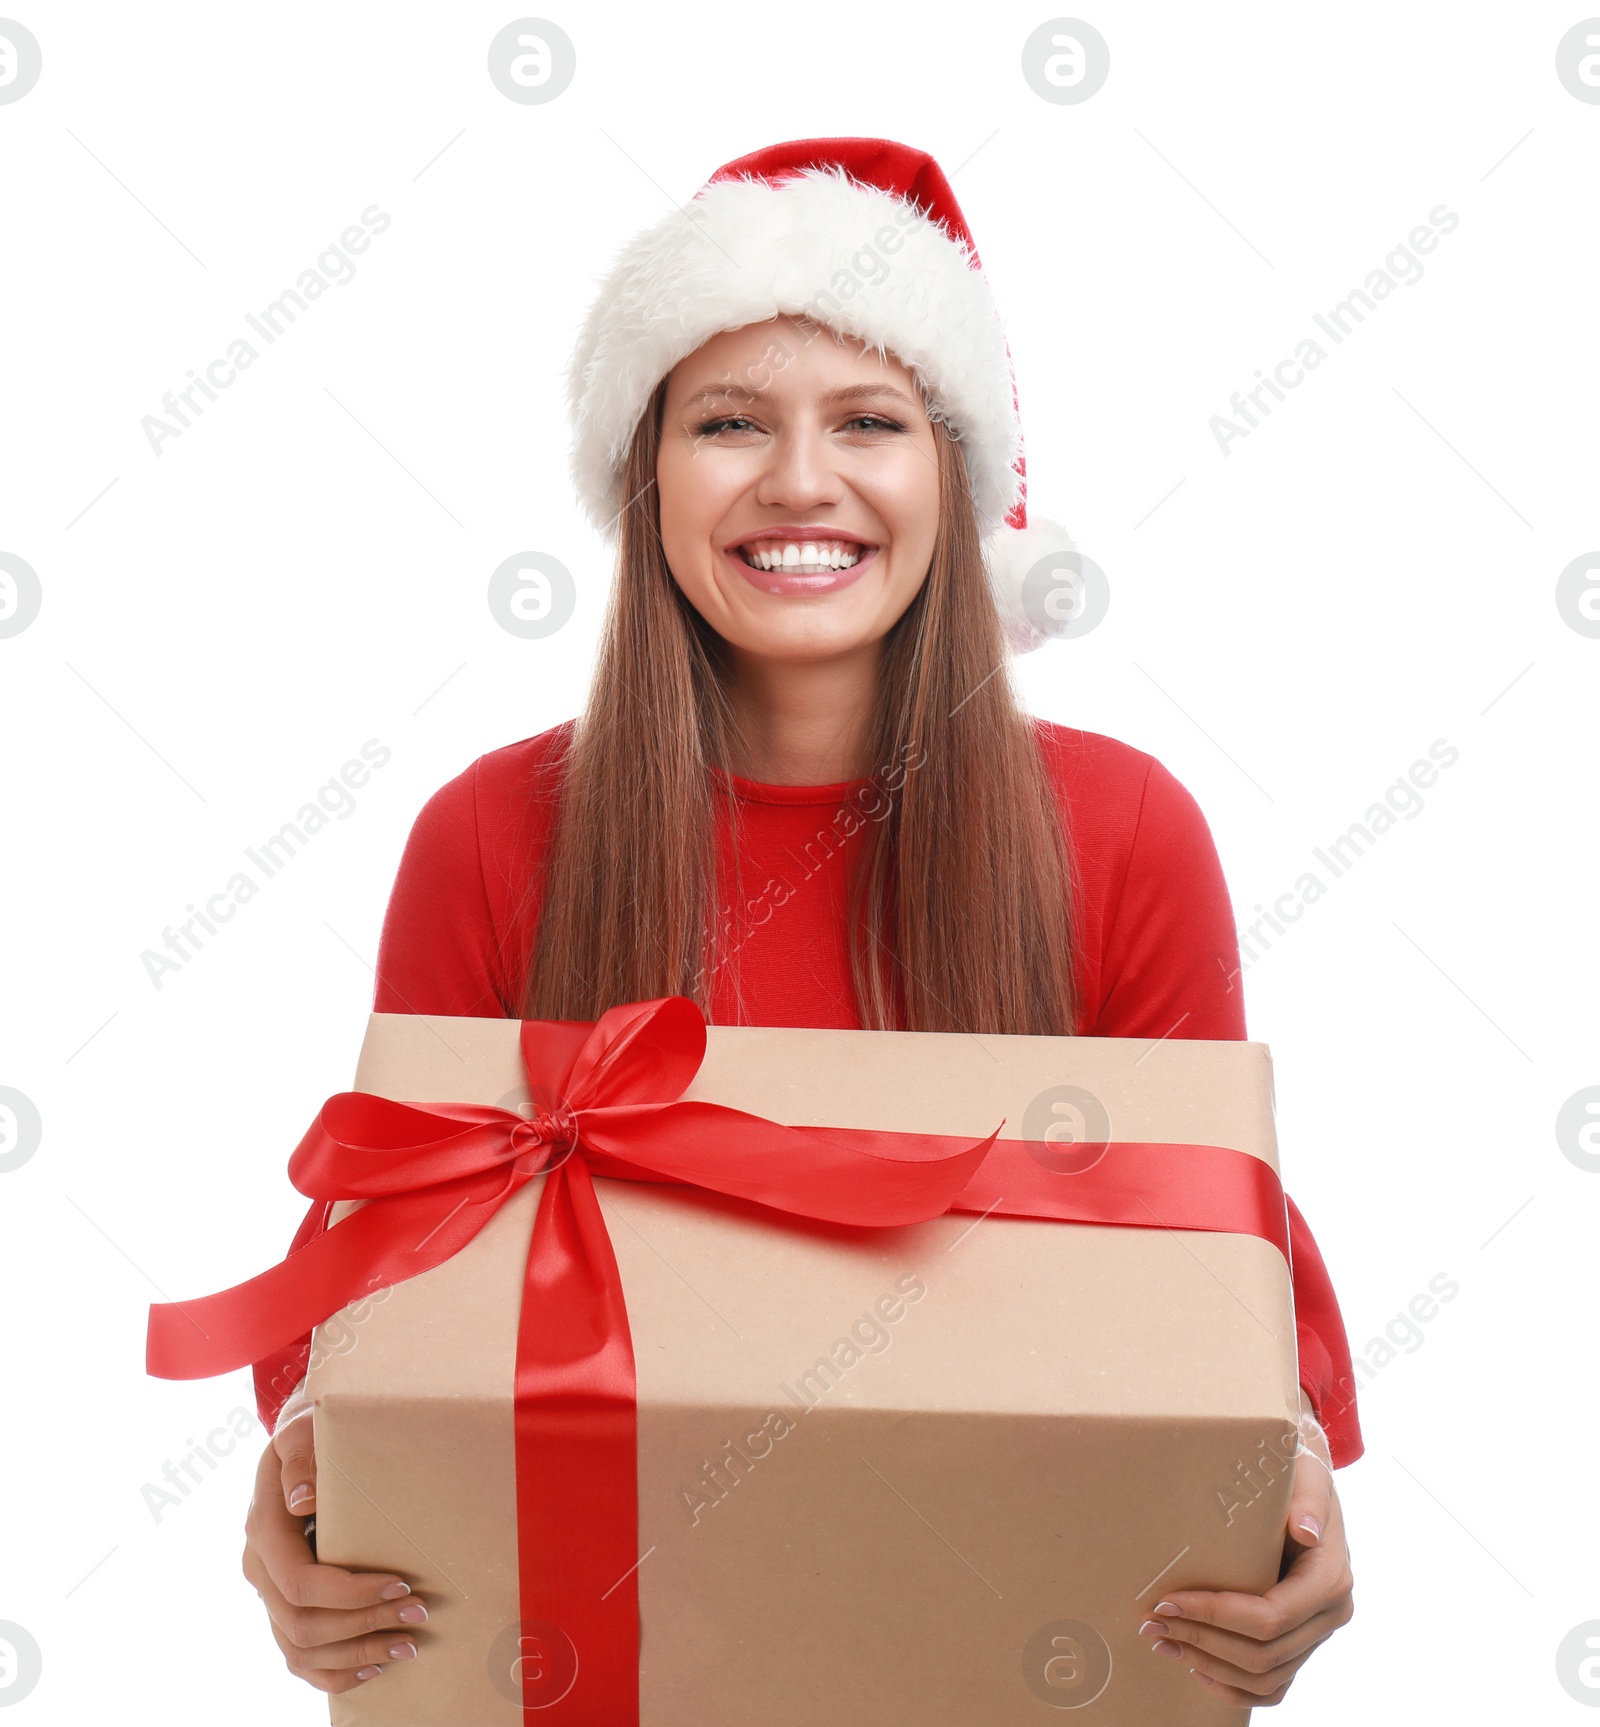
(810, 635)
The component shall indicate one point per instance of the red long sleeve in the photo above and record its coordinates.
(1154, 942)
(1170, 967)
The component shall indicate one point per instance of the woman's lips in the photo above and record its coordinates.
(787, 583)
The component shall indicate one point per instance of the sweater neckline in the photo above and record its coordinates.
(757, 791)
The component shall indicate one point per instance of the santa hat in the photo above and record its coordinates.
(860, 234)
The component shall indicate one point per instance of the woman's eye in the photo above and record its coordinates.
(740, 422)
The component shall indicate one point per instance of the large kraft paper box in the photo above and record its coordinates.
(929, 1476)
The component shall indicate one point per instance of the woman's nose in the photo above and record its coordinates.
(800, 471)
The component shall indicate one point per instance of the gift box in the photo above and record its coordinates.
(923, 1473)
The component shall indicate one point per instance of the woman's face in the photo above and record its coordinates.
(799, 488)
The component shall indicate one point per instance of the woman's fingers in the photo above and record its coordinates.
(1248, 1648)
(1229, 1623)
(335, 1627)
(1318, 1578)
(1241, 1689)
(298, 1465)
(275, 1535)
(332, 1680)
(341, 1661)
(279, 1565)
(319, 1631)
(1245, 1664)
(330, 1647)
(1311, 1495)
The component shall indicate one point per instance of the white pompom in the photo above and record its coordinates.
(1010, 554)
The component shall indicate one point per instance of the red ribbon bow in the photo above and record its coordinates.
(432, 1176)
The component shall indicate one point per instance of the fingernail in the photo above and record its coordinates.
(413, 1613)
(402, 1651)
(1167, 1647)
(1167, 1608)
(368, 1672)
(1311, 1526)
(393, 1591)
(300, 1494)
(1152, 1625)
(1204, 1678)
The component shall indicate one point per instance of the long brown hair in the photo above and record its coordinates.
(962, 901)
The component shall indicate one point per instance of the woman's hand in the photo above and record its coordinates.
(1246, 1649)
(335, 1627)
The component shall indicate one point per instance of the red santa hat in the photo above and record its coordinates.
(860, 234)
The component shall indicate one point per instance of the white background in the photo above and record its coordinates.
(305, 568)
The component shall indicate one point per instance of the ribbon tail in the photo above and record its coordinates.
(279, 1371)
(386, 1242)
(577, 1469)
(860, 1176)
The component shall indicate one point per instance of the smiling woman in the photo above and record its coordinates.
(802, 791)
(866, 481)
(770, 442)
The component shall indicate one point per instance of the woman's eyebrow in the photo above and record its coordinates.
(846, 393)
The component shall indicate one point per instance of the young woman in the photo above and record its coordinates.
(801, 791)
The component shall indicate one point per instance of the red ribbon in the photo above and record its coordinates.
(432, 1176)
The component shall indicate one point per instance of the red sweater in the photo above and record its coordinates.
(1155, 946)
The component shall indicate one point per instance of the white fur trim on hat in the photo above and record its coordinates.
(1010, 555)
(818, 245)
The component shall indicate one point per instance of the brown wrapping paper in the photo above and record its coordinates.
(920, 1477)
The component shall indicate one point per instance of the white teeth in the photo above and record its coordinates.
(804, 557)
